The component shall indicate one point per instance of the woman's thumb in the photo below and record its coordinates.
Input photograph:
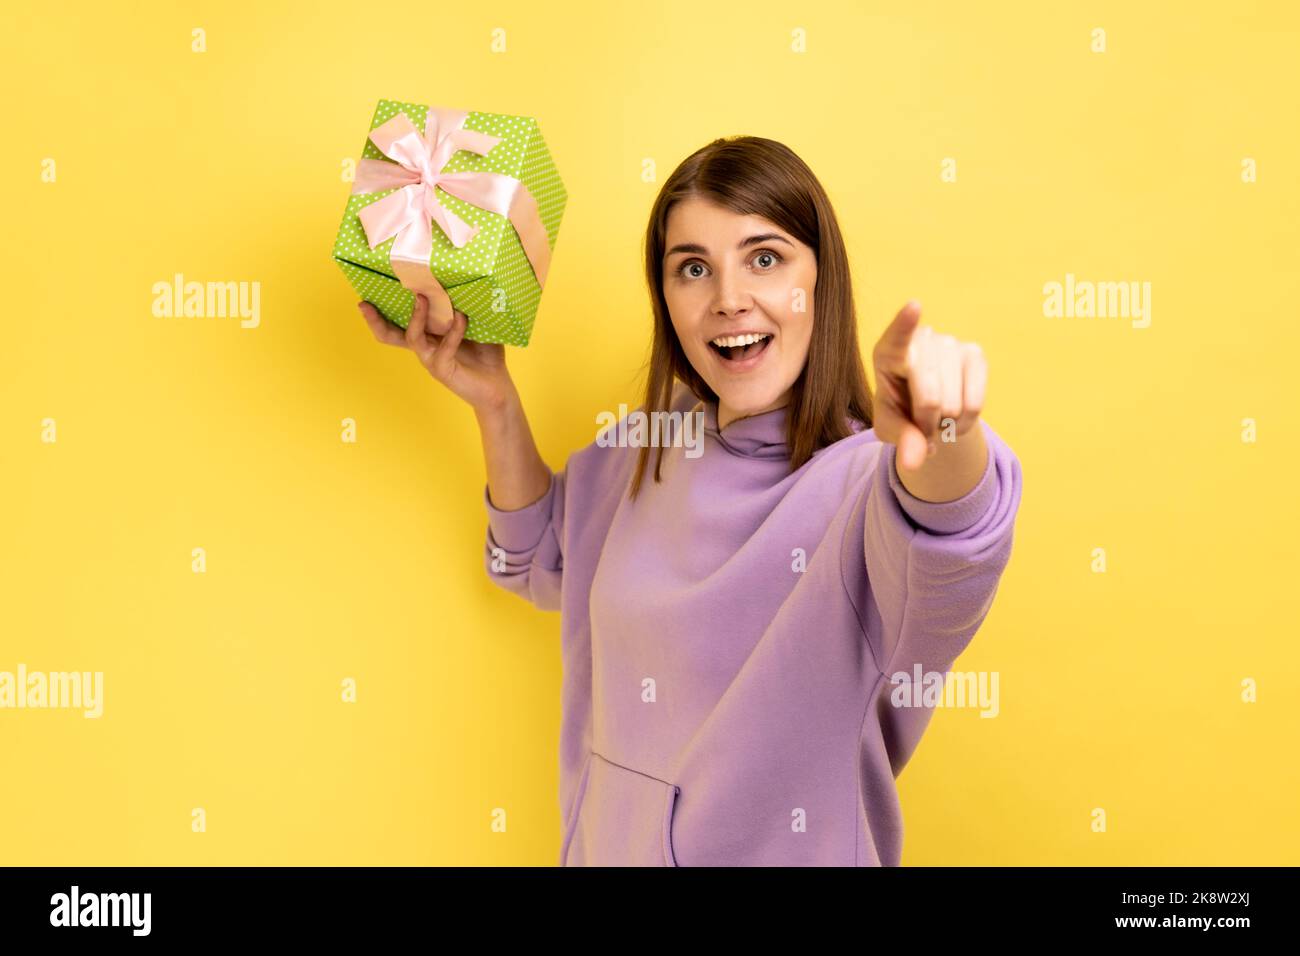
(913, 448)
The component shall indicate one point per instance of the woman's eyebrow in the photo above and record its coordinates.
(698, 249)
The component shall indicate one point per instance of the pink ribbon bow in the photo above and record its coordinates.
(409, 212)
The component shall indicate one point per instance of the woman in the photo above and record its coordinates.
(738, 627)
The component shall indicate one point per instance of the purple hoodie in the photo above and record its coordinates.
(728, 639)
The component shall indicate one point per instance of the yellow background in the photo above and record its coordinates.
(329, 560)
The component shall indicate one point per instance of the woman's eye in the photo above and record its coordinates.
(765, 259)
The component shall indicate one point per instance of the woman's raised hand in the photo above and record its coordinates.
(925, 380)
(474, 371)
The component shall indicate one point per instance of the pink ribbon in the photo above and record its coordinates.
(409, 212)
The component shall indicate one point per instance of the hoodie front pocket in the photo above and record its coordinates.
(625, 818)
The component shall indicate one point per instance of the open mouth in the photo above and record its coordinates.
(742, 355)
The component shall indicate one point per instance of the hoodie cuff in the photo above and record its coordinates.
(520, 529)
(947, 517)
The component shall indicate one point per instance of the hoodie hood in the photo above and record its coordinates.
(757, 436)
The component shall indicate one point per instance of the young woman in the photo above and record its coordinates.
(739, 625)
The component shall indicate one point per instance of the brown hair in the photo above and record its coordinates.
(752, 175)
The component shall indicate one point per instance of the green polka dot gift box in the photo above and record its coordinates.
(464, 207)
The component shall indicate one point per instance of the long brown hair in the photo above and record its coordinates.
(752, 175)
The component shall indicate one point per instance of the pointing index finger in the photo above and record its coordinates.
(897, 336)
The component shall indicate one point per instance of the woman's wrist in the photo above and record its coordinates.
(517, 475)
(497, 409)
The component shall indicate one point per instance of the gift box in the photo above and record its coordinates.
(464, 207)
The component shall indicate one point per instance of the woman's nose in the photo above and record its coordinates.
(731, 295)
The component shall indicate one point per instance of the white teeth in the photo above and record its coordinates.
(731, 341)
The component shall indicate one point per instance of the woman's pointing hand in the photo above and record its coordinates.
(923, 380)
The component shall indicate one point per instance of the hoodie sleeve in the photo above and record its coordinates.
(933, 570)
(524, 552)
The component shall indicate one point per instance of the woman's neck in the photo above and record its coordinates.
(727, 415)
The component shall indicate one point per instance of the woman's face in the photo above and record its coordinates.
(726, 275)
